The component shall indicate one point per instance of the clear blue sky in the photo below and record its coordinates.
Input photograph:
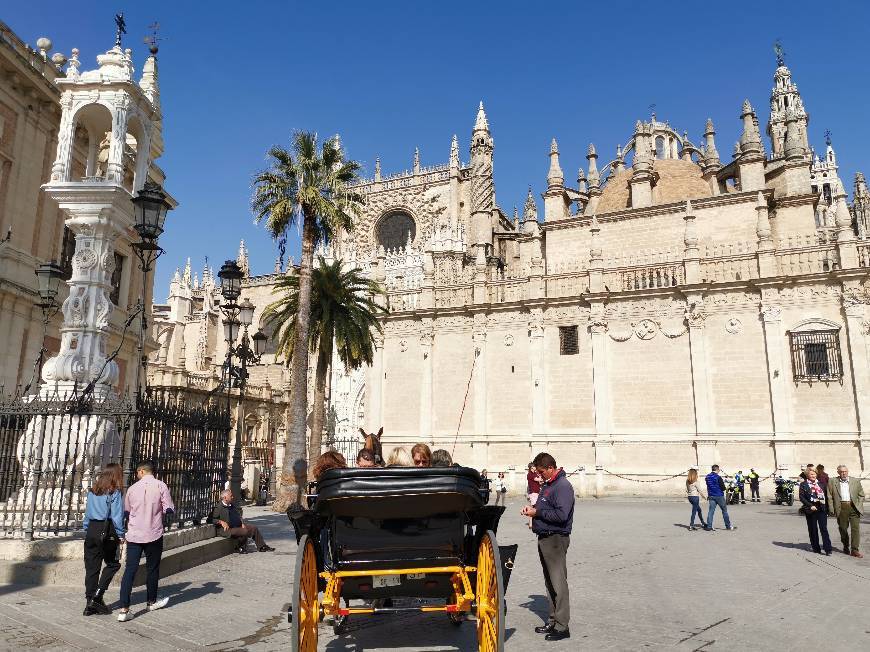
(237, 77)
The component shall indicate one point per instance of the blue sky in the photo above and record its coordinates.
(238, 77)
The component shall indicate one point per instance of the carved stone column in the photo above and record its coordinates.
(778, 379)
(479, 344)
(600, 388)
(426, 339)
(536, 359)
(855, 301)
(98, 214)
(374, 395)
(695, 317)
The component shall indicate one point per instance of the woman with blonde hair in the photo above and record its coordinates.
(421, 455)
(104, 533)
(399, 457)
(694, 493)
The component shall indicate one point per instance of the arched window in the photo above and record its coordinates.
(395, 229)
(660, 147)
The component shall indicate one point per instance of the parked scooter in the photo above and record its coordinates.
(732, 492)
(784, 491)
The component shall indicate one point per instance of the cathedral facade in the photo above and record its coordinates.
(674, 308)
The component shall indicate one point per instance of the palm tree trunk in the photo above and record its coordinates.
(318, 411)
(294, 471)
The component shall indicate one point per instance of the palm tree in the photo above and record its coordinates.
(312, 187)
(344, 315)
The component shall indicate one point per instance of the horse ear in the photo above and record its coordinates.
(380, 432)
(363, 433)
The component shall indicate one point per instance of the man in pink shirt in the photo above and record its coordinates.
(146, 503)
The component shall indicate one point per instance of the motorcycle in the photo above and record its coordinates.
(784, 491)
(732, 492)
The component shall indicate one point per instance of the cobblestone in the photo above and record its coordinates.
(639, 580)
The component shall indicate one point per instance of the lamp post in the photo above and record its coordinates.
(151, 206)
(238, 316)
(49, 277)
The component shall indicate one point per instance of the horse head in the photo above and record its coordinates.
(373, 442)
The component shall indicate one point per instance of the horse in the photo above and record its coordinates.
(373, 442)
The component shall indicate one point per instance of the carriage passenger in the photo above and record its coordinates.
(421, 455)
(365, 459)
(441, 458)
(399, 457)
(329, 460)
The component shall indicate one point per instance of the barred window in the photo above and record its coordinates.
(815, 355)
(568, 340)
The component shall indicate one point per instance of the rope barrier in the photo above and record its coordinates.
(464, 402)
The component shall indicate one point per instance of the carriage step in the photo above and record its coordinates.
(450, 608)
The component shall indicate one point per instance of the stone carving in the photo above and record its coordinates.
(679, 328)
(645, 329)
(104, 309)
(734, 326)
(598, 324)
(621, 334)
(733, 298)
(107, 262)
(508, 340)
(771, 314)
(84, 259)
(695, 315)
(403, 345)
(806, 292)
(854, 301)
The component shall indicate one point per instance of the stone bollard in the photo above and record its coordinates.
(599, 481)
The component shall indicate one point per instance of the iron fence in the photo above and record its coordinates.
(348, 447)
(187, 443)
(52, 447)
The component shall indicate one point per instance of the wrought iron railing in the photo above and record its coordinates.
(350, 448)
(187, 442)
(51, 448)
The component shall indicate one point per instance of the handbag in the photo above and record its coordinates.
(108, 533)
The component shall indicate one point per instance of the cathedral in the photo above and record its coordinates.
(674, 307)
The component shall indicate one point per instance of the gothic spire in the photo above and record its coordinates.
(711, 154)
(594, 176)
(416, 160)
(555, 178)
(530, 209)
(186, 277)
(481, 123)
(242, 259)
(454, 153)
(750, 139)
(378, 168)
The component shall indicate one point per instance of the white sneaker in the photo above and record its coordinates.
(162, 602)
(124, 616)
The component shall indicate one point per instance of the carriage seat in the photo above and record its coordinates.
(383, 517)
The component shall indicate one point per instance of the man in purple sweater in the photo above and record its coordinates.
(552, 517)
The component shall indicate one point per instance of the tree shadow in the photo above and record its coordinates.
(538, 605)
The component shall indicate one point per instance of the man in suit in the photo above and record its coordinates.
(846, 498)
(228, 522)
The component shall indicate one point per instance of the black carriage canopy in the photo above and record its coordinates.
(399, 492)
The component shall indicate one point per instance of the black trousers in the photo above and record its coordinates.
(754, 488)
(97, 553)
(818, 522)
(153, 551)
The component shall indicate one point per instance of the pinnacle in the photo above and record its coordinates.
(590, 151)
(481, 123)
(747, 107)
(554, 147)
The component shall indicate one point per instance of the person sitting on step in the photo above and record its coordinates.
(228, 522)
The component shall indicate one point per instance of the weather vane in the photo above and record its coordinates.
(652, 109)
(780, 53)
(828, 137)
(122, 28)
(153, 39)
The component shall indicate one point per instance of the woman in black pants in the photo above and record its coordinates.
(104, 532)
(812, 497)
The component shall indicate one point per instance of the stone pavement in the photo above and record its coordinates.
(639, 580)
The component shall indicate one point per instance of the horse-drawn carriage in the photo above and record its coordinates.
(378, 534)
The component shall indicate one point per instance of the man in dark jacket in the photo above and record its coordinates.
(716, 496)
(228, 522)
(552, 517)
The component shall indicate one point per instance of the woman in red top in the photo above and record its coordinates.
(533, 487)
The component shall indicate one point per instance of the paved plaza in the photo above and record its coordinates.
(640, 581)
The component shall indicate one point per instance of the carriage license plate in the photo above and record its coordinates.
(381, 581)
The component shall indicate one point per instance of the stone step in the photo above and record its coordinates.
(71, 572)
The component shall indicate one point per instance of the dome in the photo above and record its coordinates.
(677, 181)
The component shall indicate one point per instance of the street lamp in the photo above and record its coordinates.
(150, 206)
(238, 316)
(49, 277)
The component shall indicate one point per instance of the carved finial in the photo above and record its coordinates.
(747, 107)
(555, 178)
(481, 124)
(554, 147)
(708, 128)
(377, 168)
(530, 210)
(454, 152)
(122, 28)
(416, 160)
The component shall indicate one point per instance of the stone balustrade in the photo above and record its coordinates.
(807, 260)
(506, 291)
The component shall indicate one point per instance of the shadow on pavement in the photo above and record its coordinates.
(795, 546)
(177, 593)
(538, 605)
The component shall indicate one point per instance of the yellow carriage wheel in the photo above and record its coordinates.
(489, 595)
(306, 606)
